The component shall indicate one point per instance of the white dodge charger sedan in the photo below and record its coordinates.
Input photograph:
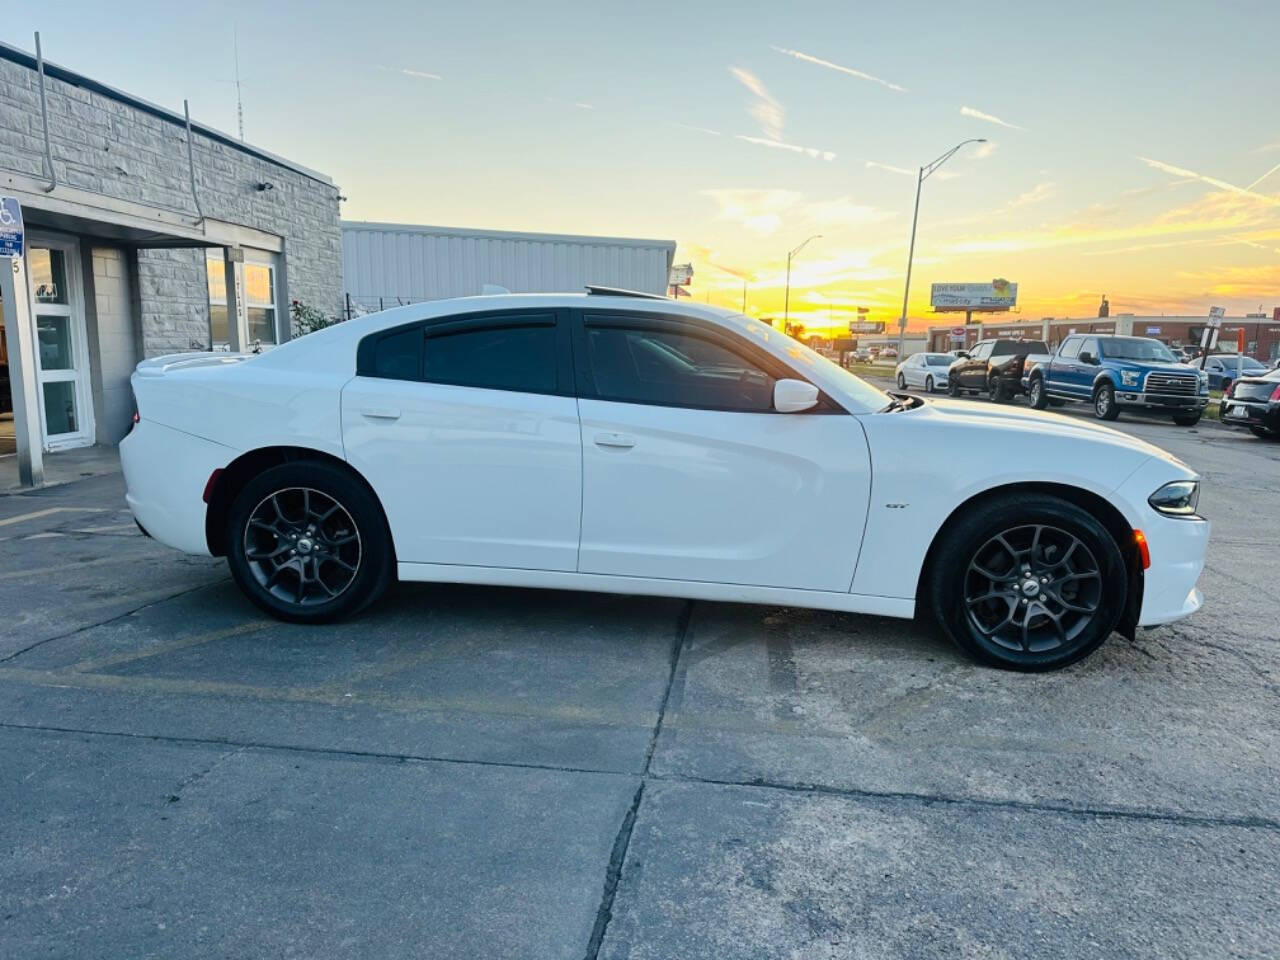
(633, 444)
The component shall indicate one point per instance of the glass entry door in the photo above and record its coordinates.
(62, 361)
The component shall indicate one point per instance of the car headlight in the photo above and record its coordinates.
(1204, 382)
(1129, 378)
(1176, 499)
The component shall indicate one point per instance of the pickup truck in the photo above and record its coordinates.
(1118, 373)
(994, 367)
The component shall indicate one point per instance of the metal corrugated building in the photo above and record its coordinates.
(389, 263)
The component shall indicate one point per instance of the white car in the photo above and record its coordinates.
(638, 445)
(927, 370)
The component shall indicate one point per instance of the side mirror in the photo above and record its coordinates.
(793, 396)
(1086, 357)
(962, 355)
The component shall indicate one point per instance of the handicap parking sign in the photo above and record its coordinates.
(10, 227)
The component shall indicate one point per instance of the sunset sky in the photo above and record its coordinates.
(1134, 148)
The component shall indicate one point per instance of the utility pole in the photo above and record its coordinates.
(925, 172)
(786, 303)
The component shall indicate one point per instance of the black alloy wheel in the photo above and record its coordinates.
(307, 542)
(1028, 582)
(1104, 402)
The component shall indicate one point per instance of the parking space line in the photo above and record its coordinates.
(49, 511)
(181, 643)
(73, 680)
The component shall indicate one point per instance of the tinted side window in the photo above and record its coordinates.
(398, 356)
(511, 356)
(981, 351)
(1090, 346)
(1071, 349)
(669, 368)
(1003, 348)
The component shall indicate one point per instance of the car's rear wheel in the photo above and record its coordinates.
(1104, 402)
(307, 542)
(998, 391)
(928, 384)
(1028, 582)
(1036, 394)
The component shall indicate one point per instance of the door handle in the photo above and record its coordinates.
(619, 440)
(380, 413)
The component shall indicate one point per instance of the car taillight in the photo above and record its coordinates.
(1275, 394)
(136, 417)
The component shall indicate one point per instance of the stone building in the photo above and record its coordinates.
(145, 234)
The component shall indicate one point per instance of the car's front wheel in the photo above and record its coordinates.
(953, 387)
(307, 542)
(1188, 420)
(928, 384)
(1027, 582)
(1104, 402)
(902, 382)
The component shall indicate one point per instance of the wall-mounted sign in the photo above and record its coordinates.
(10, 228)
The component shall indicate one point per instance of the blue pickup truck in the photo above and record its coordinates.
(1117, 373)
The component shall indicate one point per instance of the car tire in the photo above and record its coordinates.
(1036, 394)
(928, 384)
(1000, 615)
(307, 542)
(1262, 433)
(998, 391)
(902, 382)
(1104, 402)
(1188, 421)
(953, 388)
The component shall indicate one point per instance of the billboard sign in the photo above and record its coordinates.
(866, 326)
(996, 295)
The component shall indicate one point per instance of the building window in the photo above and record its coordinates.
(219, 328)
(260, 301)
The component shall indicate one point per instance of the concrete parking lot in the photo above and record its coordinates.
(477, 772)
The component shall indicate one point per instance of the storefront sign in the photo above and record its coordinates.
(10, 228)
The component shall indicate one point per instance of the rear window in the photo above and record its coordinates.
(508, 357)
(1005, 348)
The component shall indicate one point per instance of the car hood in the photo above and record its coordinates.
(1018, 419)
(1151, 366)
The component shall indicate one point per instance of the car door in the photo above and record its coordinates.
(1082, 373)
(1063, 371)
(467, 430)
(973, 372)
(690, 474)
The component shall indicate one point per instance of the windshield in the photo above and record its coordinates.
(862, 392)
(1136, 348)
(939, 359)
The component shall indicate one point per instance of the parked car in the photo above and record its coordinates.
(861, 355)
(993, 367)
(928, 370)
(1254, 402)
(888, 353)
(1119, 373)
(1223, 368)
(632, 444)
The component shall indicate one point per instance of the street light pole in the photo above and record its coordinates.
(925, 172)
(786, 302)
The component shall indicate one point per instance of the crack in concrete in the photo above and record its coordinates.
(109, 620)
